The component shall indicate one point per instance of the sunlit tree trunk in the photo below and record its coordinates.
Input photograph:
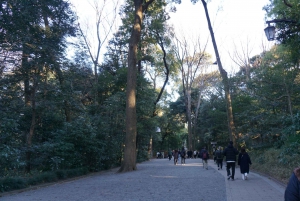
(129, 162)
(224, 76)
(189, 119)
(197, 111)
(32, 127)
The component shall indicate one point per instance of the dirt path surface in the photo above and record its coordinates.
(158, 179)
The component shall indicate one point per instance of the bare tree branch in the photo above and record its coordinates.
(105, 19)
(167, 72)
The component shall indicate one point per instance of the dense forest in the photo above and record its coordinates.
(59, 114)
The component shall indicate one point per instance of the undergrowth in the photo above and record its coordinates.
(15, 183)
(277, 163)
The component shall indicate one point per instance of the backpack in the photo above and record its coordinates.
(219, 154)
(182, 153)
(204, 155)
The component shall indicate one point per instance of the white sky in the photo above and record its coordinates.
(236, 24)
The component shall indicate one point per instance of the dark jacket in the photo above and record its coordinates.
(230, 152)
(183, 153)
(244, 161)
(219, 155)
(204, 151)
(175, 155)
(292, 191)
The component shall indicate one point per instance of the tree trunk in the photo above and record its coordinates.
(32, 127)
(167, 72)
(30, 135)
(223, 73)
(28, 103)
(26, 72)
(196, 116)
(129, 162)
(189, 119)
(289, 101)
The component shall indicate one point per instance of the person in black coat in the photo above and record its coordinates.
(175, 156)
(244, 161)
(183, 155)
(219, 157)
(230, 152)
(292, 191)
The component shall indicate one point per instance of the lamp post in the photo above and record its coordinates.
(270, 30)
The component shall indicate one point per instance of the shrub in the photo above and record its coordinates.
(9, 184)
(274, 162)
(15, 183)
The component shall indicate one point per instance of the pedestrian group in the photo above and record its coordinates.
(292, 192)
(230, 153)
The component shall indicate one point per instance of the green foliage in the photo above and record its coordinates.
(9, 184)
(78, 126)
(274, 163)
(288, 29)
(15, 183)
(290, 150)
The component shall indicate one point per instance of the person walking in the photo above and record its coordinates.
(292, 191)
(214, 155)
(219, 157)
(170, 154)
(195, 154)
(175, 157)
(244, 161)
(204, 155)
(183, 155)
(230, 153)
(190, 154)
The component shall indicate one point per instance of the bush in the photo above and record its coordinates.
(274, 162)
(15, 183)
(9, 184)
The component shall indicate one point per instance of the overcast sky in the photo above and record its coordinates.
(236, 24)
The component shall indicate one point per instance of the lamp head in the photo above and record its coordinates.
(270, 32)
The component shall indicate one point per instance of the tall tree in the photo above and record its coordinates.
(129, 162)
(202, 83)
(135, 57)
(192, 60)
(231, 126)
(96, 35)
(39, 30)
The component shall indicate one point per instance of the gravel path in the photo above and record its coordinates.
(158, 179)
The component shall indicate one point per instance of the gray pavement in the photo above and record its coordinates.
(158, 179)
(255, 188)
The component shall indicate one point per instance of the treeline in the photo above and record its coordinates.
(56, 113)
(265, 101)
(59, 114)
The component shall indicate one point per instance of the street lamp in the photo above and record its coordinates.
(270, 30)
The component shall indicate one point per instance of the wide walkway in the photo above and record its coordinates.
(158, 179)
(255, 188)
